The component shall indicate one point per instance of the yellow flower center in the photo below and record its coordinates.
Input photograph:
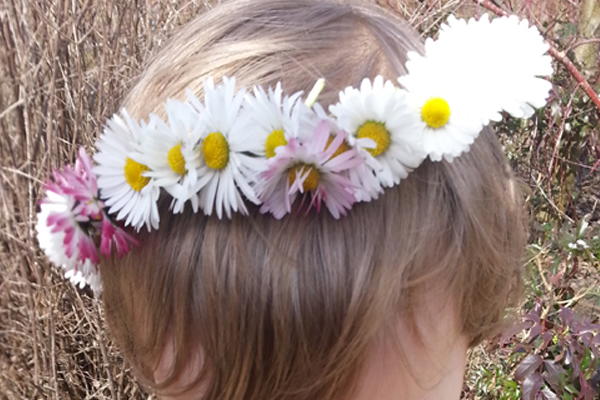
(436, 112)
(133, 171)
(377, 132)
(176, 160)
(216, 150)
(274, 140)
(312, 179)
(342, 148)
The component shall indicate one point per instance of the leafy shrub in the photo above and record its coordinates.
(563, 356)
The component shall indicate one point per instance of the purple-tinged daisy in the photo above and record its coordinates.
(315, 170)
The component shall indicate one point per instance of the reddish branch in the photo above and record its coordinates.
(558, 55)
(585, 85)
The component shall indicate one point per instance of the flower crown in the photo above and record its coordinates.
(285, 152)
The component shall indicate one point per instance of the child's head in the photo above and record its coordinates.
(289, 308)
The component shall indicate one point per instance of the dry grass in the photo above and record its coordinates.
(65, 64)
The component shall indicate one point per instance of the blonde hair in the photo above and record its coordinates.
(287, 309)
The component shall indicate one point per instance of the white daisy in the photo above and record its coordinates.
(382, 127)
(170, 150)
(123, 183)
(229, 164)
(447, 121)
(472, 72)
(276, 118)
(504, 57)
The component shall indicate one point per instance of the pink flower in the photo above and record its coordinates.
(70, 208)
(72, 220)
(76, 241)
(78, 183)
(113, 235)
(316, 170)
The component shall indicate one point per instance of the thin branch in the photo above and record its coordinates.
(566, 114)
(557, 54)
(582, 42)
(492, 7)
(585, 85)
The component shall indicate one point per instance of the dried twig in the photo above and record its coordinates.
(566, 114)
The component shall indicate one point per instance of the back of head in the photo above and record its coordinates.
(260, 308)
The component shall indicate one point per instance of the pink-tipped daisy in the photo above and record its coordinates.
(71, 221)
(315, 170)
(64, 222)
(112, 236)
